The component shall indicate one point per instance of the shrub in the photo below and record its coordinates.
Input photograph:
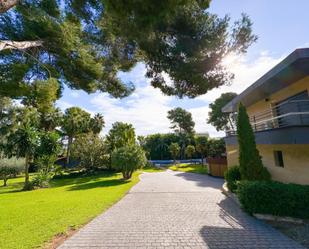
(46, 167)
(274, 198)
(128, 159)
(10, 168)
(42, 179)
(250, 161)
(232, 176)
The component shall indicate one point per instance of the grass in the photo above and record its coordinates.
(28, 219)
(192, 168)
(152, 169)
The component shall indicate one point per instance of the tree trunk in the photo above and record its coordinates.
(70, 139)
(5, 5)
(27, 185)
(19, 45)
(4, 181)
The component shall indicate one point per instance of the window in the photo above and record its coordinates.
(278, 158)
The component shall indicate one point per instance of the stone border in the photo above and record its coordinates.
(269, 217)
(229, 194)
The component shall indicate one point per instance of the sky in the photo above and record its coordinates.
(281, 27)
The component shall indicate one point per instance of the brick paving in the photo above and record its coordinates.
(177, 210)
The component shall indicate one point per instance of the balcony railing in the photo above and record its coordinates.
(289, 113)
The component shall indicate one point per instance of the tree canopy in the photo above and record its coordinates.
(84, 44)
(181, 121)
(219, 119)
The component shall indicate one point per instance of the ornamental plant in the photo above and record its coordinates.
(250, 161)
(128, 159)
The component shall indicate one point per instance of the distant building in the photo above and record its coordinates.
(278, 106)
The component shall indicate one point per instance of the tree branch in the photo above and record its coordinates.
(19, 45)
(5, 5)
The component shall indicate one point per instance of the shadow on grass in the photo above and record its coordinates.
(79, 178)
(98, 184)
(12, 188)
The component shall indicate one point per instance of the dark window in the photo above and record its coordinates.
(278, 158)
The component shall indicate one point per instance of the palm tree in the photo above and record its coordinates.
(97, 123)
(75, 121)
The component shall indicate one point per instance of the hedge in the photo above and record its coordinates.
(274, 198)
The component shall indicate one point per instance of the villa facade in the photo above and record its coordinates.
(278, 107)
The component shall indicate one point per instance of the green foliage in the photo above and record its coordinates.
(23, 143)
(156, 146)
(232, 176)
(216, 147)
(201, 146)
(86, 43)
(42, 95)
(75, 121)
(90, 150)
(250, 162)
(120, 135)
(10, 168)
(128, 159)
(49, 144)
(50, 120)
(46, 167)
(217, 118)
(190, 150)
(174, 37)
(181, 121)
(274, 198)
(97, 123)
(174, 150)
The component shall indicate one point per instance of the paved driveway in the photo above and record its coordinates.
(177, 210)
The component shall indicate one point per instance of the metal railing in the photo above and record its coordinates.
(289, 113)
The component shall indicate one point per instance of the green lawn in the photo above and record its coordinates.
(152, 169)
(192, 168)
(28, 219)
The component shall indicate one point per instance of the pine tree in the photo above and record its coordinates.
(85, 43)
(250, 161)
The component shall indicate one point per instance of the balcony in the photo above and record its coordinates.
(285, 123)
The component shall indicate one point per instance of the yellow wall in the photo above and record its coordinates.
(295, 158)
(284, 93)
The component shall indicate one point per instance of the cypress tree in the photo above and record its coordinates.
(250, 162)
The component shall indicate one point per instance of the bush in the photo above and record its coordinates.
(42, 179)
(274, 198)
(46, 170)
(128, 159)
(232, 176)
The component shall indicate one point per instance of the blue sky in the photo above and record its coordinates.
(281, 26)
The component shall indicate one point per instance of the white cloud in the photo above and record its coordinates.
(63, 104)
(147, 107)
(75, 94)
(146, 110)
